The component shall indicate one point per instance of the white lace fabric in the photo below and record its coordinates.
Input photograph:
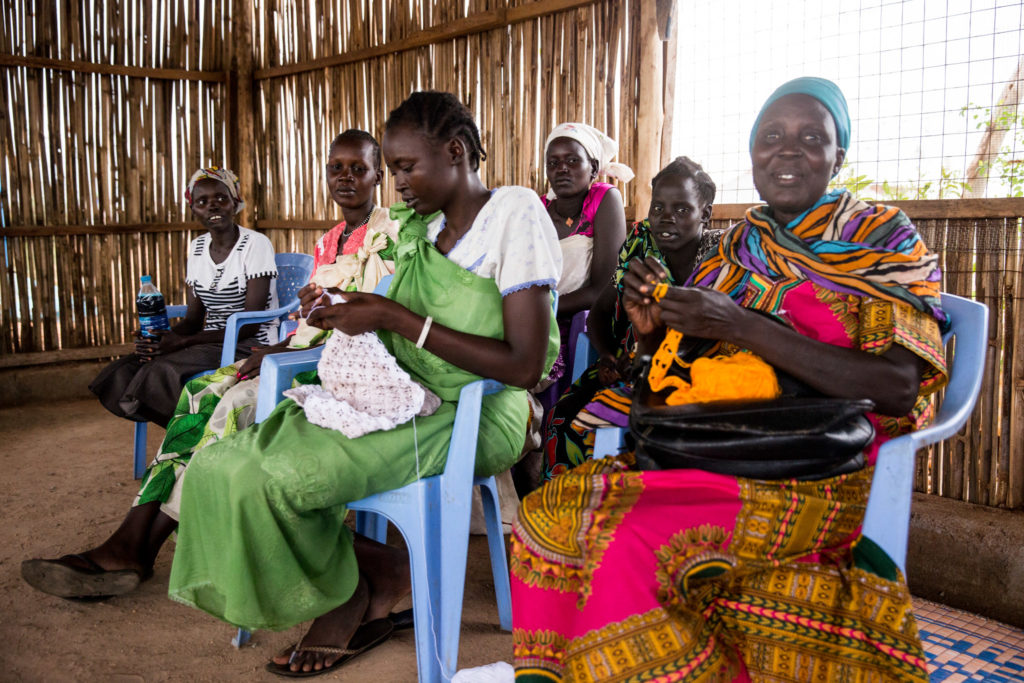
(362, 389)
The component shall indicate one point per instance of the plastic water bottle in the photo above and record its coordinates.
(151, 307)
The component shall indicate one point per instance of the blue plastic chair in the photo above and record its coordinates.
(887, 518)
(293, 272)
(584, 354)
(432, 515)
(608, 440)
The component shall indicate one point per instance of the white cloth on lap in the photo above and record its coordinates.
(362, 389)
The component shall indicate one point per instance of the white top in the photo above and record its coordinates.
(222, 286)
(577, 254)
(511, 241)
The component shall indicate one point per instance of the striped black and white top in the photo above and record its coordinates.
(221, 286)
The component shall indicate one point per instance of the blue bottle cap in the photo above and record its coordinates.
(145, 278)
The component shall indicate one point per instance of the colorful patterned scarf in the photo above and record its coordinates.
(222, 175)
(841, 244)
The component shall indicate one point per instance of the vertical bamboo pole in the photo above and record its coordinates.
(650, 112)
(240, 144)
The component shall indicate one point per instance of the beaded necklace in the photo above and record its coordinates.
(347, 232)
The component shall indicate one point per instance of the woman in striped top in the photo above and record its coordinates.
(229, 269)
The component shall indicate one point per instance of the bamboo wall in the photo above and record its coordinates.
(94, 160)
(519, 78)
(93, 157)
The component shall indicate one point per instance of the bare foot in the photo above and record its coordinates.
(332, 630)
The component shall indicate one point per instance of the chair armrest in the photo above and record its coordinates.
(176, 311)
(276, 374)
(238, 320)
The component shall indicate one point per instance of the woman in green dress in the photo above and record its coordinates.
(262, 541)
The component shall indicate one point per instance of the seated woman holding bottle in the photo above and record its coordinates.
(353, 255)
(229, 269)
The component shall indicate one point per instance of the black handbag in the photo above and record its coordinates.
(797, 436)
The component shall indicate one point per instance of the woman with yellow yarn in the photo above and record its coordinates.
(620, 574)
(675, 235)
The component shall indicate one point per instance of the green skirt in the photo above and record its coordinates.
(262, 542)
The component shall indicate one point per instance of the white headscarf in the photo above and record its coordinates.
(598, 145)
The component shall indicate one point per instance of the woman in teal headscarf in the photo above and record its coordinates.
(690, 575)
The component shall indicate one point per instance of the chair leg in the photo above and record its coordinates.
(496, 546)
(140, 449)
(426, 610)
(372, 525)
(241, 638)
(608, 441)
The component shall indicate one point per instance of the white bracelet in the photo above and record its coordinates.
(423, 332)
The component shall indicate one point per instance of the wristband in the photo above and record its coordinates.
(424, 331)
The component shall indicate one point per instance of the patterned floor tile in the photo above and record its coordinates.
(964, 647)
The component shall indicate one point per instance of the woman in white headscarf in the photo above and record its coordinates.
(587, 214)
(591, 225)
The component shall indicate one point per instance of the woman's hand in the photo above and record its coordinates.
(609, 370)
(638, 285)
(361, 312)
(703, 312)
(308, 297)
(251, 366)
(166, 342)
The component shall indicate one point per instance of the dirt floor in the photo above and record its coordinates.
(65, 471)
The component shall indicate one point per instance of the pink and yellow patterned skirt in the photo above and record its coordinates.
(686, 575)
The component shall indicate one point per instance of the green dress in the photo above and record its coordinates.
(262, 541)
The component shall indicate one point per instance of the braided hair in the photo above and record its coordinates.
(684, 167)
(356, 135)
(441, 116)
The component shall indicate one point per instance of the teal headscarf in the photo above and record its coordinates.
(826, 92)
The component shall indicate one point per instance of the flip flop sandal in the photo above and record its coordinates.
(402, 620)
(367, 636)
(61, 578)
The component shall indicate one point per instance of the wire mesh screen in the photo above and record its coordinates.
(934, 89)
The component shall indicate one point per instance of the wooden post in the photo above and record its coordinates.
(241, 110)
(1015, 302)
(650, 108)
(671, 48)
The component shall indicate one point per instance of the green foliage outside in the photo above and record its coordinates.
(1003, 168)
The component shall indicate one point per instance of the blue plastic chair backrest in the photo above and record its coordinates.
(293, 273)
(582, 352)
(970, 327)
(887, 517)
